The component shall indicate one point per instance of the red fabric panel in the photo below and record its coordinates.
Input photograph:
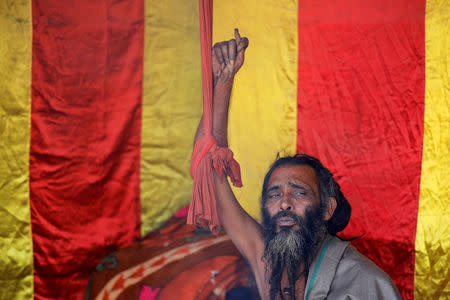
(360, 110)
(85, 137)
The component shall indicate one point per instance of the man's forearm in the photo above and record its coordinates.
(221, 103)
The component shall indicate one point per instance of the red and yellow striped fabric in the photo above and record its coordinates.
(99, 102)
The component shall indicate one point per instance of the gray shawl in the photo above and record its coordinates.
(339, 271)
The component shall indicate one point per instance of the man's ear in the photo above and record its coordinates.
(331, 207)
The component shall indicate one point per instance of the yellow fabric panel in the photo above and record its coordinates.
(432, 272)
(172, 107)
(263, 114)
(16, 250)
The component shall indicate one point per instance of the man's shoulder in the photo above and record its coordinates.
(353, 262)
(358, 276)
(339, 271)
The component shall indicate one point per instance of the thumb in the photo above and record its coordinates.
(243, 44)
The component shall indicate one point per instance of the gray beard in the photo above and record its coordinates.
(288, 249)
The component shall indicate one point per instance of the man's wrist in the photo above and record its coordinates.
(227, 84)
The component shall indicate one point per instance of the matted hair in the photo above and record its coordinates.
(328, 187)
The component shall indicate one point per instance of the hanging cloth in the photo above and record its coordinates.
(207, 154)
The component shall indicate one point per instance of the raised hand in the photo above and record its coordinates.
(228, 57)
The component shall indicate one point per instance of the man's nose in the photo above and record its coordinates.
(286, 203)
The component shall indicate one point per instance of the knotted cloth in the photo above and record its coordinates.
(207, 154)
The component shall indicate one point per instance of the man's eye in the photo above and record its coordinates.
(300, 193)
(274, 195)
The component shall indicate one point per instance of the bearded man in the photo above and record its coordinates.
(295, 253)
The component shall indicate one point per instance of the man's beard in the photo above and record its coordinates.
(288, 249)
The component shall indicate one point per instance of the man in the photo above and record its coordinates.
(294, 254)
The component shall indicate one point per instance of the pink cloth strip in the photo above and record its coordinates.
(207, 154)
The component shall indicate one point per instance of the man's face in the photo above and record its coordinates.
(294, 189)
(293, 223)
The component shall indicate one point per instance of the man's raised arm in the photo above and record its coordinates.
(244, 231)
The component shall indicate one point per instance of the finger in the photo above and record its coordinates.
(215, 64)
(221, 59)
(241, 52)
(237, 36)
(214, 58)
(232, 51)
(224, 48)
(228, 68)
(242, 45)
(218, 52)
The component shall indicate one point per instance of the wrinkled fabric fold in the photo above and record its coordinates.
(360, 110)
(85, 136)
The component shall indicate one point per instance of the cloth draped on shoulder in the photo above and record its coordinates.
(207, 154)
(339, 271)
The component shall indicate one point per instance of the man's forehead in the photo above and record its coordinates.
(297, 174)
